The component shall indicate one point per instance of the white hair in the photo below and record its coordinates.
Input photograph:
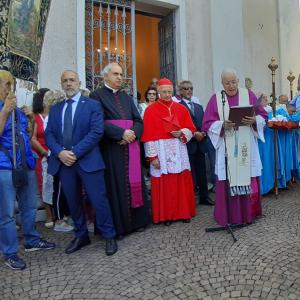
(70, 71)
(229, 71)
(108, 67)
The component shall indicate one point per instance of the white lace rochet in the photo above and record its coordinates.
(172, 155)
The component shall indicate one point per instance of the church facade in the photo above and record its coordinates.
(181, 39)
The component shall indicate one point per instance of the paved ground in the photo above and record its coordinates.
(176, 262)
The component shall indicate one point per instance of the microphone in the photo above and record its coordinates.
(223, 97)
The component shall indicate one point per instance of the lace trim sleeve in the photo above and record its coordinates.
(188, 134)
(150, 149)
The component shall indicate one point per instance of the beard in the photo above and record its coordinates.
(71, 92)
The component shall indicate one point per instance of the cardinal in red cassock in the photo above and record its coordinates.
(167, 128)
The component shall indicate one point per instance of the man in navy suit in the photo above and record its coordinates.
(197, 145)
(74, 130)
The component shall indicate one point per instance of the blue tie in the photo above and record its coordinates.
(67, 132)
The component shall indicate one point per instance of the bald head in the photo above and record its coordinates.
(283, 99)
(154, 82)
(227, 72)
(230, 81)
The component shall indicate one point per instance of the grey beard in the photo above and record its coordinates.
(71, 93)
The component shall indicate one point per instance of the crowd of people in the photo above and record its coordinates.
(88, 157)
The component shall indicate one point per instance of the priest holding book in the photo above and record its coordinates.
(167, 128)
(241, 189)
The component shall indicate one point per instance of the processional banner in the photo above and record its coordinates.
(22, 28)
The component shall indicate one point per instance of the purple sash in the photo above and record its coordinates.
(135, 179)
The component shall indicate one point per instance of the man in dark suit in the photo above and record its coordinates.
(197, 145)
(74, 130)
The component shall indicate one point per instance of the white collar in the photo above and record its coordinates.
(113, 90)
(186, 101)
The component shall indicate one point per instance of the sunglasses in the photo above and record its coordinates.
(151, 94)
(188, 88)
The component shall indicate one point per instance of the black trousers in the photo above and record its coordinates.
(198, 167)
(60, 205)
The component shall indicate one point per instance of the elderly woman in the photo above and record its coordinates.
(49, 187)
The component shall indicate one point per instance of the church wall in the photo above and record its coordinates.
(289, 42)
(271, 28)
(261, 42)
(199, 52)
(210, 35)
(60, 43)
(227, 38)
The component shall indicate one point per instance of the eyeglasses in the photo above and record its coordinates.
(151, 94)
(232, 82)
(188, 88)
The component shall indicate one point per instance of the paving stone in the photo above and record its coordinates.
(176, 262)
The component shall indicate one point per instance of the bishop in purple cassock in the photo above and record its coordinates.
(244, 200)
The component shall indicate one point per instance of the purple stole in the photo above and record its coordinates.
(135, 179)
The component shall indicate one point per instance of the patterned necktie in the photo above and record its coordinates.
(191, 106)
(68, 126)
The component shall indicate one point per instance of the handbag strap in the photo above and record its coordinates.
(6, 152)
(21, 143)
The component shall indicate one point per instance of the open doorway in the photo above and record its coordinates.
(155, 44)
(147, 51)
(139, 36)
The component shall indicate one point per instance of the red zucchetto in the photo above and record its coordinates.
(164, 81)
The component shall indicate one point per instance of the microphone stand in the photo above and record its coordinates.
(228, 227)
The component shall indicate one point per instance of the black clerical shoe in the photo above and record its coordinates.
(77, 244)
(186, 221)
(167, 223)
(207, 201)
(141, 229)
(120, 237)
(111, 247)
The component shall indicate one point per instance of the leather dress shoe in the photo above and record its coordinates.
(141, 229)
(186, 221)
(167, 223)
(77, 244)
(111, 247)
(120, 237)
(207, 201)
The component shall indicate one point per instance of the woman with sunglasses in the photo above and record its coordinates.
(151, 95)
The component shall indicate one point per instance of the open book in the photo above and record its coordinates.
(237, 113)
